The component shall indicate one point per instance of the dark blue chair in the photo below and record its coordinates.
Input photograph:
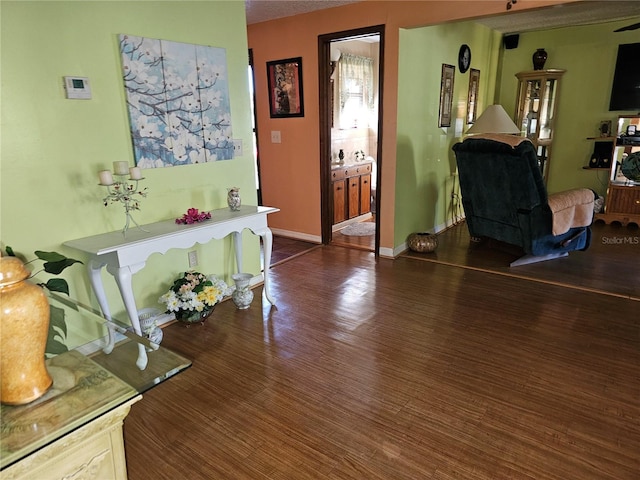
(504, 198)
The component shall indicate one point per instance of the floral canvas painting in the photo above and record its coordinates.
(178, 100)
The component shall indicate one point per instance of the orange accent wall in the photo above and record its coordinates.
(290, 171)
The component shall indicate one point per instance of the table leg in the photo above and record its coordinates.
(237, 243)
(123, 278)
(94, 268)
(267, 242)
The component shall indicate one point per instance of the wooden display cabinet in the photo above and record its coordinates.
(622, 203)
(536, 106)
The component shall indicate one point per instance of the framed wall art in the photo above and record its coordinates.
(178, 101)
(285, 88)
(472, 100)
(446, 95)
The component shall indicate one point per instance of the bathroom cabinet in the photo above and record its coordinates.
(351, 191)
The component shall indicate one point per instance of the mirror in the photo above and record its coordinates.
(627, 142)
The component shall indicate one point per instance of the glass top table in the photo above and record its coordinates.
(87, 382)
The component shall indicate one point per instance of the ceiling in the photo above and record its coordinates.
(264, 10)
(577, 13)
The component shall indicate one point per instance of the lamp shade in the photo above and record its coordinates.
(493, 120)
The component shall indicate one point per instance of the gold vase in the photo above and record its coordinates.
(24, 327)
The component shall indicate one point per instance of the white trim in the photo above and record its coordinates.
(297, 235)
(351, 221)
(400, 249)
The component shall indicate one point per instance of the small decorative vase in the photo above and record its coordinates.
(189, 317)
(233, 199)
(422, 242)
(242, 296)
(148, 325)
(539, 58)
(24, 328)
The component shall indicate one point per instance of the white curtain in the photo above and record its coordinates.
(355, 76)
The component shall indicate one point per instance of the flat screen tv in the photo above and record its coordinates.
(625, 92)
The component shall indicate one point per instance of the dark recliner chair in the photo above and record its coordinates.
(504, 198)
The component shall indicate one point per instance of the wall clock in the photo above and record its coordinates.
(464, 58)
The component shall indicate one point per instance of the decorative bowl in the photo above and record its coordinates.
(422, 242)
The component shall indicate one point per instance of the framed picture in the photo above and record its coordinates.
(285, 88)
(472, 100)
(605, 128)
(446, 95)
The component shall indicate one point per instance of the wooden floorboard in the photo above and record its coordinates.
(610, 265)
(398, 369)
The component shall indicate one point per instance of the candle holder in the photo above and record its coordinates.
(124, 191)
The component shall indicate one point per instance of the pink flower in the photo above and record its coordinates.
(193, 216)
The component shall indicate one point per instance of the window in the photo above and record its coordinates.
(356, 96)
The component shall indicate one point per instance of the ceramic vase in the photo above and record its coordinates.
(233, 199)
(539, 59)
(24, 328)
(242, 296)
(422, 242)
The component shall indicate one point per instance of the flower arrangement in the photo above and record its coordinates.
(193, 296)
(193, 216)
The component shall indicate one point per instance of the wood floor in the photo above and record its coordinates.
(399, 369)
(366, 243)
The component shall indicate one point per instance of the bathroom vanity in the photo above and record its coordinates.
(351, 190)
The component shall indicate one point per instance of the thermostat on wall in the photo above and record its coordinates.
(77, 87)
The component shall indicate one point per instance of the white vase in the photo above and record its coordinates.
(242, 296)
(233, 199)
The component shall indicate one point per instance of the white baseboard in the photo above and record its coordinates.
(400, 249)
(297, 235)
(351, 221)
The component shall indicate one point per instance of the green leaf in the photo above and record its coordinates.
(57, 321)
(9, 251)
(54, 347)
(49, 256)
(57, 332)
(57, 285)
(58, 266)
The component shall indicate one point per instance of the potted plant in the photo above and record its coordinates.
(193, 296)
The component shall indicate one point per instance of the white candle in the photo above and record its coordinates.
(135, 173)
(120, 168)
(105, 177)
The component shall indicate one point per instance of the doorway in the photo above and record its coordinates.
(350, 136)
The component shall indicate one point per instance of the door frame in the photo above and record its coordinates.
(324, 102)
(255, 127)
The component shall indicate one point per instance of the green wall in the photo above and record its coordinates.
(52, 148)
(425, 162)
(588, 54)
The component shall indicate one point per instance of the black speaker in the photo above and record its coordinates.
(511, 41)
(601, 155)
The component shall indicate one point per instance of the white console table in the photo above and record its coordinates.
(126, 255)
